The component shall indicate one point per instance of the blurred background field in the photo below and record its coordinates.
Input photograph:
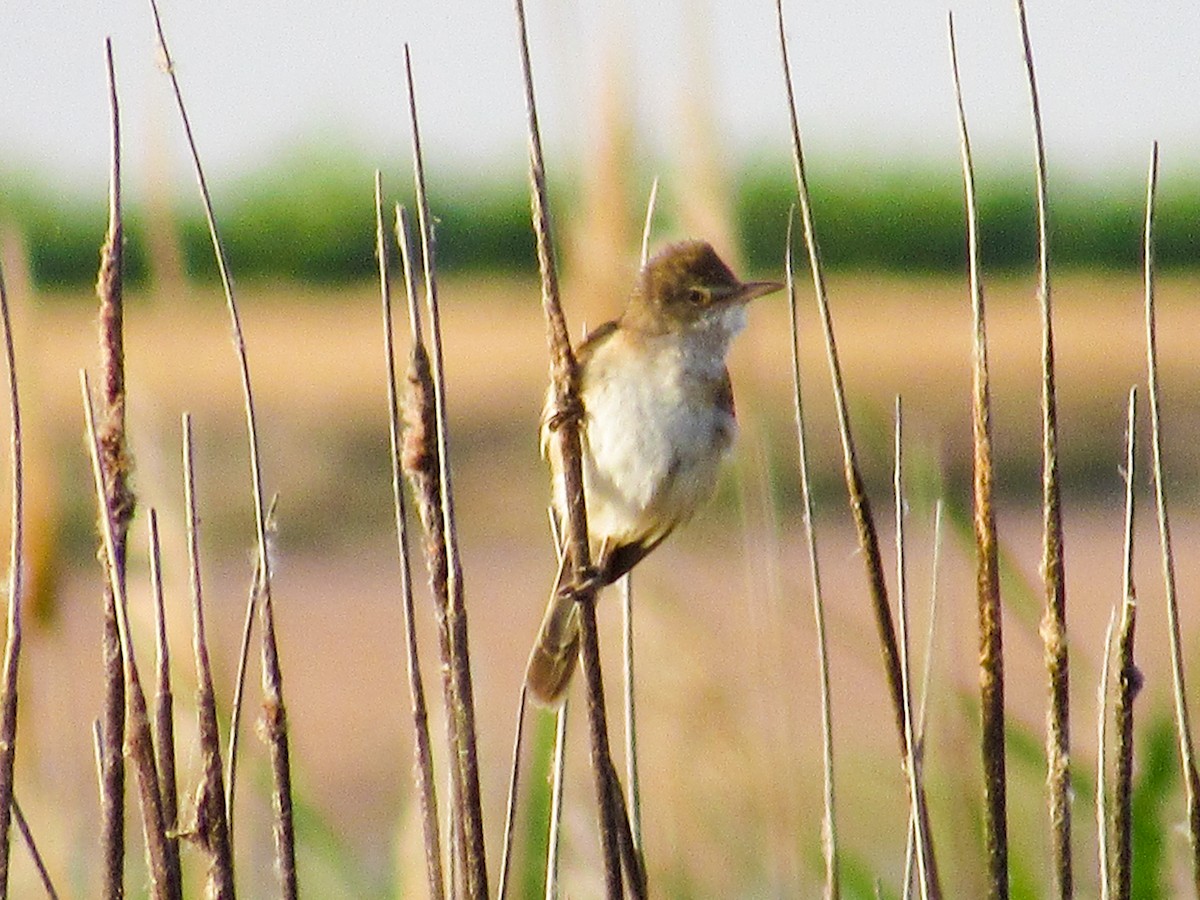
(728, 683)
(717, 665)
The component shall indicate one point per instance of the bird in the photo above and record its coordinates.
(657, 421)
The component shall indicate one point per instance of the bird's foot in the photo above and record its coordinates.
(587, 581)
(569, 409)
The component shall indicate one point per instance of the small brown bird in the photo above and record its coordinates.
(658, 420)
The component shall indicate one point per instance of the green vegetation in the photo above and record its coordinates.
(303, 220)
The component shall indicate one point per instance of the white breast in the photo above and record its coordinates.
(653, 439)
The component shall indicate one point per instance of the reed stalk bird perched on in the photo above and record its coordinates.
(658, 420)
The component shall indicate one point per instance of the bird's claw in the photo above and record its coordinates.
(587, 581)
(569, 409)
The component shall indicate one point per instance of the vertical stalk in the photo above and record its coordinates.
(987, 571)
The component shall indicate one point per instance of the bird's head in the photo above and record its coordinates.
(687, 286)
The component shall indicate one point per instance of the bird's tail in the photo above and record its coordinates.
(555, 652)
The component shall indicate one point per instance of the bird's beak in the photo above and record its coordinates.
(753, 289)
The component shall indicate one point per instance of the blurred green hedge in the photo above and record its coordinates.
(312, 220)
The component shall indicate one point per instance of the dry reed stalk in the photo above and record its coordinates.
(16, 593)
(462, 711)
(119, 501)
(211, 827)
(1102, 835)
(912, 763)
(420, 461)
(1054, 619)
(829, 851)
(421, 467)
(860, 506)
(859, 503)
(273, 723)
(38, 863)
(423, 778)
(564, 373)
(1187, 754)
(1129, 684)
(138, 745)
(164, 705)
(987, 572)
(632, 776)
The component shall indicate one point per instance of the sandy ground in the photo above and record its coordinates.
(727, 678)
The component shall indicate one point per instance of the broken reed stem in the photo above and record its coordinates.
(138, 744)
(564, 376)
(39, 864)
(912, 764)
(164, 705)
(1187, 756)
(1102, 836)
(991, 650)
(16, 593)
(274, 716)
(210, 829)
(1054, 619)
(832, 885)
(119, 501)
(1129, 683)
(423, 777)
(463, 710)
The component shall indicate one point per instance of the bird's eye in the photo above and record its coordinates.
(697, 296)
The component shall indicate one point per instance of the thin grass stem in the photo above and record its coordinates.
(556, 801)
(510, 808)
(991, 650)
(631, 736)
(1054, 619)
(1187, 755)
(860, 506)
(274, 718)
(910, 849)
(829, 843)
(16, 593)
(912, 764)
(39, 864)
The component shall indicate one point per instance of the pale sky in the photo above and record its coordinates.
(872, 78)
